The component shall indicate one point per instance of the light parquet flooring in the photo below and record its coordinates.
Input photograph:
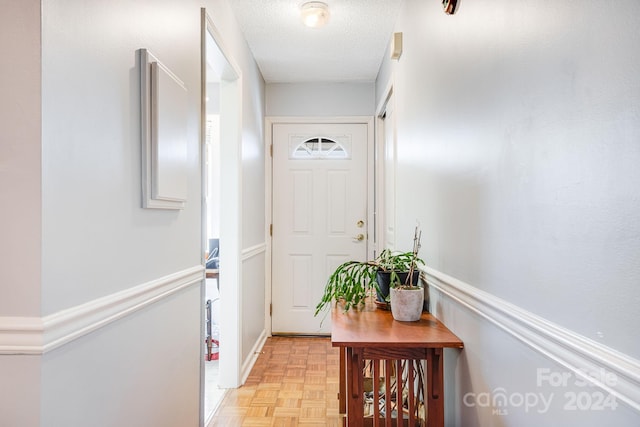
(293, 382)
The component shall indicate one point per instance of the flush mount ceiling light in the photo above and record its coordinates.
(314, 14)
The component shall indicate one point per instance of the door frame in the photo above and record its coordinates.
(269, 122)
(230, 226)
(382, 124)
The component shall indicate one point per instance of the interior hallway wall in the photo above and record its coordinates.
(518, 123)
(97, 241)
(103, 326)
(20, 201)
(320, 99)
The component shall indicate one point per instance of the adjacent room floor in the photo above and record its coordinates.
(294, 382)
(212, 394)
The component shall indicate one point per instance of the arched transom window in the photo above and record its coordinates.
(320, 148)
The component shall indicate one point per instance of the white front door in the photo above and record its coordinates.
(319, 216)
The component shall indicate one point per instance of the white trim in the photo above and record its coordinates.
(204, 186)
(268, 203)
(39, 335)
(249, 253)
(253, 356)
(571, 350)
(379, 202)
(231, 217)
(21, 335)
(271, 120)
(214, 410)
(149, 109)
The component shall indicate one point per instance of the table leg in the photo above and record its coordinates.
(342, 394)
(435, 388)
(355, 387)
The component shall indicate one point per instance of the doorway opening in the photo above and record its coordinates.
(213, 394)
(221, 138)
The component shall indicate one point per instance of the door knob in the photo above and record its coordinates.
(359, 237)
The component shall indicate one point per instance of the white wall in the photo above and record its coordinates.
(91, 130)
(320, 99)
(20, 154)
(20, 391)
(20, 202)
(96, 239)
(100, 302)
(519, 122)
(138, 371)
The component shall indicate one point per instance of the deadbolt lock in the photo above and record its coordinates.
(360, 223)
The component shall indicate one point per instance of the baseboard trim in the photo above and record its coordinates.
(214, 410)
(567, 348)
(253, 356)
(38, 335)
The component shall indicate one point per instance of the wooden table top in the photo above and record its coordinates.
(375, 328)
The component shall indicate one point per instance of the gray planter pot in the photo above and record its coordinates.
(406, 304)
(383, 279)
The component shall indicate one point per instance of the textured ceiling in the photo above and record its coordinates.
(349, 48)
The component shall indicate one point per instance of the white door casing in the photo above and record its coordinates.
(217, 58)
(319, 202)
(388, 173)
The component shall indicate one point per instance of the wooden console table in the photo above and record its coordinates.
(372, 334)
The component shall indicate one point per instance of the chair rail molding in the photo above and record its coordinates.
(38, 335)
(252, 251)
(575, 352)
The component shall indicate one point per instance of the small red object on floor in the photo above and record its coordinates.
(211, 346)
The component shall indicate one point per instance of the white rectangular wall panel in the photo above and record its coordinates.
(163, 101)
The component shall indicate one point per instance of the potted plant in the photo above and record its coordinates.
(395, 269)
(353, 281)
(407, 298)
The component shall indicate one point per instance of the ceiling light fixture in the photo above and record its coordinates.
(315, 14)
